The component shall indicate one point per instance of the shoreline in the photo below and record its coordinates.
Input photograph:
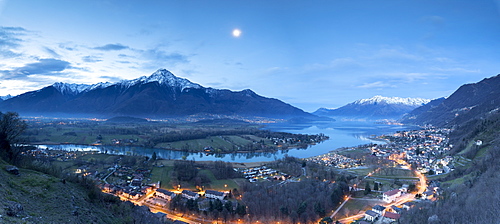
(161, 148)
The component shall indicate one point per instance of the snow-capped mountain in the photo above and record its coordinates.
(160, 95)
(6, 97)
(75, 89)
(377, 107)
(163, 77)
(393, 100)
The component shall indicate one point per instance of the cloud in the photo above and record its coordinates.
(10, 39)
(377, 84)
(47, 66)
(163, 58)
(112, 47)
(91, 59)
(112, 79)
(51, 52)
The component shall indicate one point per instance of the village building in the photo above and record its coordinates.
(390, 196)
(162, 193)
(190, 195)
(408, 205)
(215, 194)
(392, 217)
(396, 209)
(371, 215)
(428, 195)
(404, 188)
(379, 209)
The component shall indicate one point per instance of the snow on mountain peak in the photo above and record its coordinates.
(6, 97)
(163, 77)
(73, 89)
(393, 100)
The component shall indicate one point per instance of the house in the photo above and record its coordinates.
(146, 189)
(396, 209)
(408, 205)
(214, 194)
(391, 216)
(390, 196)
(379, 209)
(134, 195)
(404, 188)
(371, 215)
(162, 193)
(427, 195)
(136, 183)
(190, 195)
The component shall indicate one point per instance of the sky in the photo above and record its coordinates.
(309, 54)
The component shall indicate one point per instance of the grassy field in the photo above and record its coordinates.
(361, 171)
(46, 199)
(355, 206)
(188, 136)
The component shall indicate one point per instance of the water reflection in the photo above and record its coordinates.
(342, 134)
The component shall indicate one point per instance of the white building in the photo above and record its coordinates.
(162, 193)
(190, 195)
(390, 196)
(214, 194)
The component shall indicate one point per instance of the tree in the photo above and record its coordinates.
(375, 186)
(367, 188)
(11, 126)
(319, 209)
(241, 210)
(153, 157)
(302, 208)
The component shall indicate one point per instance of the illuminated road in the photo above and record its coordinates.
(421, 187)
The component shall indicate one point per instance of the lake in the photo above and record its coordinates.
(341, 133)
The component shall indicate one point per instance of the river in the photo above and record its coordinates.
(341, 133)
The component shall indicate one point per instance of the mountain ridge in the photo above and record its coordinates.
(469, 101)
(161, 94)
(377, 107)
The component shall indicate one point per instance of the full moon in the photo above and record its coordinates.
(236, 33)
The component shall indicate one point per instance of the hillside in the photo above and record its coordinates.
(35, 197)
(475, 118)
(470, 188)
(468, 102)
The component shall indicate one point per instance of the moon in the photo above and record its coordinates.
(236, 33)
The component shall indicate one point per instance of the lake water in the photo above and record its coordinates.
(341, 133)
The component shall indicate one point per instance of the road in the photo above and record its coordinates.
(421, 187)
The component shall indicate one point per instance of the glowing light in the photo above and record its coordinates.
(236, 33)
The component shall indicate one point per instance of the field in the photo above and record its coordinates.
(193, 137)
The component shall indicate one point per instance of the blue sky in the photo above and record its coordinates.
(310, 54)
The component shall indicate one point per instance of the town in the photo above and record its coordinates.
(389, 179)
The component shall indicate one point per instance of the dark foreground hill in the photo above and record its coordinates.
(35, 197)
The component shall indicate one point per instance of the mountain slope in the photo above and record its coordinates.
(377, 107)
(160, 95)
(467, 102)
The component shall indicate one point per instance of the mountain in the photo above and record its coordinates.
(377, 107)
(160, 95)
(468, 102)
(5, 97)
